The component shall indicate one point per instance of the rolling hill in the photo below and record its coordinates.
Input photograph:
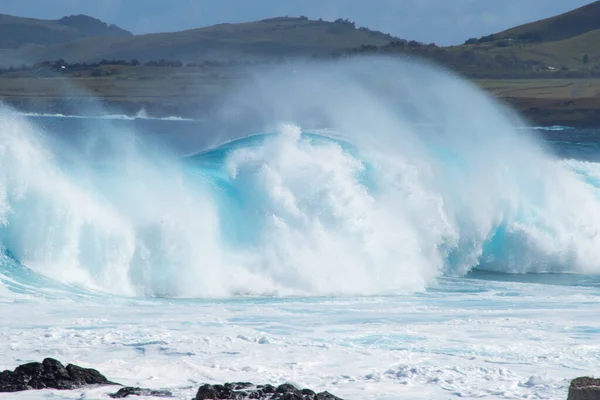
(276, 37)
(537, 67)
(564, 44)
(564, 26)
(561, 44)
(16, 32)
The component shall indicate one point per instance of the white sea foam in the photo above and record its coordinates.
(405, 187)
(469, 339)
(142, 115)
(422, 187)
(554, 128)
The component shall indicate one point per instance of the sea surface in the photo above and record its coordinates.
(416, 250)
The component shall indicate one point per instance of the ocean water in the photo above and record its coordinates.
(379, 230)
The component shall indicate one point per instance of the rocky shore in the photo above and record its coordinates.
(52, 374)
(577, 113)
(584, 388)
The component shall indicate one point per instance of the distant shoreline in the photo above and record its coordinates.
(197, 92)
(580, 113)
(541, 112)
(536, 112)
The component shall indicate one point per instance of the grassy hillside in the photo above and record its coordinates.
(273, 37)
(561, 45)
(552, 46)
(578, 54)
(16, 32)
(165, 91)
(565, 46)
(548, 69)
(560, 27)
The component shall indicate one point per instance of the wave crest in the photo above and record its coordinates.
(405, 185)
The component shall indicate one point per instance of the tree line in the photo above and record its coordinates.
(466, 61)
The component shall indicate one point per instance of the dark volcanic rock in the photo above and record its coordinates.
(243, 391)
(49, 374)
(86, 376)
(136, 391)
(584, 389)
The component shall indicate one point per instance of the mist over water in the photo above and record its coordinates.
(358, 177)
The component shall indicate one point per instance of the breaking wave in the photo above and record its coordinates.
(417, 175)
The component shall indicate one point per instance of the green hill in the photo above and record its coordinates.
(16, 32)
(285, 37)
(561, 45)
(538, 67)
(578, 53)
(564, 44)
(564, 26)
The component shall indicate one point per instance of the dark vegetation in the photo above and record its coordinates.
(468, 62)
(481, 64)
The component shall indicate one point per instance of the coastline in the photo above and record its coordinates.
(580, 113)
(576, 113)
(196, 93)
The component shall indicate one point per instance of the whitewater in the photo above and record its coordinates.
(380, 229)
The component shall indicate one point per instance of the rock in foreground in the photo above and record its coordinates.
(49, 374)
(136, 391)
(242, 391)
(584, 389)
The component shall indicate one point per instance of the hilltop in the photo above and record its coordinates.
(16, 31)
(562, 46)
(275, 37)
(539, 67)
(560, 27)
(565, 44)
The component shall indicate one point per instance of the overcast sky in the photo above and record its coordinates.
(440, 21)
